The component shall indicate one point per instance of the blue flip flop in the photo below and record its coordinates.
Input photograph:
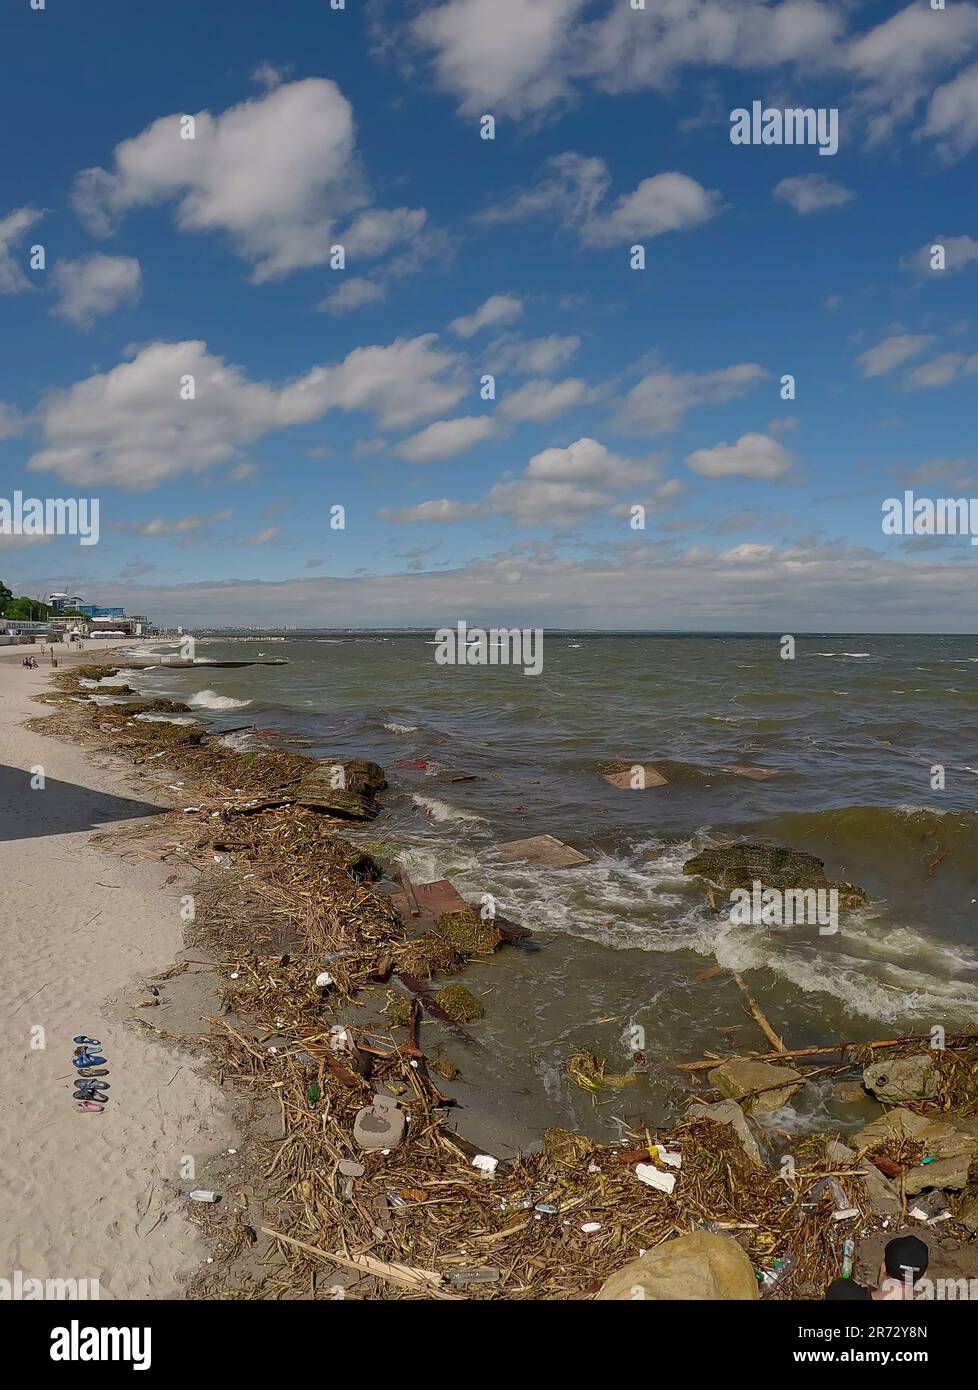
(86, 1061)
(92, 1042)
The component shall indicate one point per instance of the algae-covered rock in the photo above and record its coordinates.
(446, 1068)
(317, 792)
(589, 1072)
(429, 955)
(564, 1148)
(468, 933)
(701, 1266)
(155, 706)
(735, 1078)
(364, 776)
(398, 1009)
(93, 673)
(460, 1003)
(730, 866)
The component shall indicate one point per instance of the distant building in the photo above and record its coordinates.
(64, 603)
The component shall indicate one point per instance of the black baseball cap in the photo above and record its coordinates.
(906, 1252)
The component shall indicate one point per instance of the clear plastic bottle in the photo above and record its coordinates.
(776, 1274)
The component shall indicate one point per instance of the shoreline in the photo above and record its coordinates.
(92, 1195)
(278, 1048)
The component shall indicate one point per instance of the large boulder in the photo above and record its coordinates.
(735, 1079)
(730, 866)
(902, 1078)
(941, 1138)
(702, 1266)
(728, 1112)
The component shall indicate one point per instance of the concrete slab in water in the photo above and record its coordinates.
(542, 849)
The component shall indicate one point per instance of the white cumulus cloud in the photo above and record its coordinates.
(753, 456)
(95, 285)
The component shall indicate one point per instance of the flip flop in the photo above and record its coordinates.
(92, 1085)
(96, 1096)
(93, 1071)
(86, 1061)
(92, 1042)
(90, 1105)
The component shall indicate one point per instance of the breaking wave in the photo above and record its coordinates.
(209, 699)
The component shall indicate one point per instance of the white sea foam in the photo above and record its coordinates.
(402, 728)
(442, 811)
(209, 699)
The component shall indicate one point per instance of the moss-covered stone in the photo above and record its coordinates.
(460, 1003)
(364, 776)
(468, 933)
(398, 1010)
(429, 955)
(739, 866)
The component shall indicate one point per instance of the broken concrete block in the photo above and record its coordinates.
(728, 1112)
(940, 1137)
(735, 1078)
(380, 1125)
(948, 1174)
(902, 1078)
(546, 850)
(634, 776)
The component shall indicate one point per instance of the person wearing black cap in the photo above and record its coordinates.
(904, 1264)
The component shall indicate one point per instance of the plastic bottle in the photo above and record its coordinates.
(848, 1250)
(771, 1278)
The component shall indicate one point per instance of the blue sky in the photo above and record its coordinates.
(614, 387)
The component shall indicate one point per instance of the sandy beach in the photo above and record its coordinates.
(88, 1195)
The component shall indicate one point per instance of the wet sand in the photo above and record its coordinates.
(89, 1195)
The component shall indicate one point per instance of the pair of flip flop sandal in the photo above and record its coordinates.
(89, 1093)
(94, 1091)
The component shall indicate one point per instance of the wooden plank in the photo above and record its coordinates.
(431, 899)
